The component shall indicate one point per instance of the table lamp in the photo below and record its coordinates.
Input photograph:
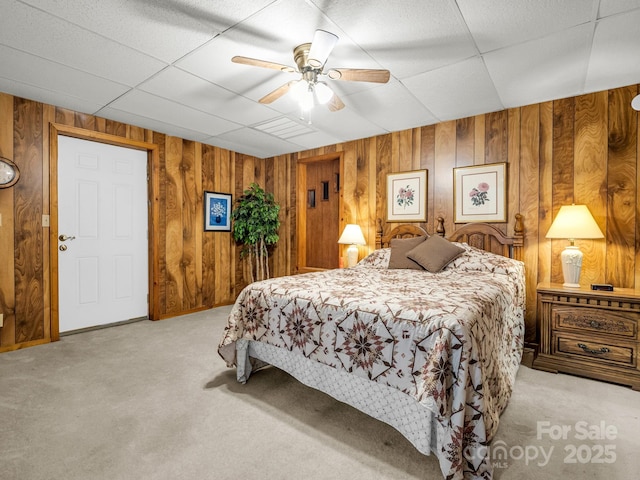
(352, 235)
(572, 222)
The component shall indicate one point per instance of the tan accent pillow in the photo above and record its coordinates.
(399, 249)
(435, 253)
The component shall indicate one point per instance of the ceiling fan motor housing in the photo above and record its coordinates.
(301, 56)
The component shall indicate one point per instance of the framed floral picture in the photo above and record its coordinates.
(217, 212)
(407, 196)
(479, 193)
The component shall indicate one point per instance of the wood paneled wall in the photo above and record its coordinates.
(196, 269)
(582, 149)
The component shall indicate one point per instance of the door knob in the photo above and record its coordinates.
(62, 248)
(64, 238)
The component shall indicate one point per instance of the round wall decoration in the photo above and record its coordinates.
(9, 173)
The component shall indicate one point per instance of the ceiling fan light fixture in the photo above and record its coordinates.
(303, 93)
(308, 100)
(297, 91)
(323, 93)
(310, 58)
(321, 46)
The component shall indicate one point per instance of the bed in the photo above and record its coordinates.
(432, 353)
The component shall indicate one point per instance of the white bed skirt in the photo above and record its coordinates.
(413, 420)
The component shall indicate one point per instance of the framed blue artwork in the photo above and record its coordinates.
(217, 212)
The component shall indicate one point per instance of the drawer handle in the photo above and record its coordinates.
(595, 324)
(592, 351)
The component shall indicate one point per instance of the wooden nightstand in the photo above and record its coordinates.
(589, 333)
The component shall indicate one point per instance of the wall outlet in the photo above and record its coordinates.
(1, 320)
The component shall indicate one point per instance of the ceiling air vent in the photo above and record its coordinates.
(284, 128)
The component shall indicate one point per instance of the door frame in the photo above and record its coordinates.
(153, 187)
(301, 201)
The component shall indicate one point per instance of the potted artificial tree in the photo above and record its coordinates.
(255, 226)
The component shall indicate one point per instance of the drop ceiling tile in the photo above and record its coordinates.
(345, 124)
(392, 107)
(499, 23)
(290, 22)
(253, 142)
(165, 30)
(38, 33)
(545, 69)
(182, 87)
(612, 7)
(40, 94)
(616, 49)
(295, 22)
(456, 91)
(23, 67)
(212, 62)
(152, 124)
(160, 109)
(234, 147)
(315, 139)
(405, 37)
(283, 25)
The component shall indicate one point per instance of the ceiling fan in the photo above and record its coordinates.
(310, 59)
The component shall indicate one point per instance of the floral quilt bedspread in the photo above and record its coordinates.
(451, 340)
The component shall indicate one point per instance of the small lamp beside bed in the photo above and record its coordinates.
(352, 235)
(572, 222)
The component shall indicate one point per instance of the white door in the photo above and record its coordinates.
(102, 227)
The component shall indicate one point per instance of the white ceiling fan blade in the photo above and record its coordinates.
(321, 46)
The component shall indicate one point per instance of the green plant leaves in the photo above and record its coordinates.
(256, 222)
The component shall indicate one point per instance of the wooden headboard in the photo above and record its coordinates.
(401, 231)
(484, 236)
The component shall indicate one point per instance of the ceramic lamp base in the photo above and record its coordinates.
(352, 255)
(571, 258)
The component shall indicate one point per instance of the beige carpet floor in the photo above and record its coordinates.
(152, 400)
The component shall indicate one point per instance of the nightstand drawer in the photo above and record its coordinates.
(620, 354)
(589, 333)
(596, 320)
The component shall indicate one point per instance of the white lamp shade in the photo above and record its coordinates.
(574, 221)
(352, 235)
(635, 103)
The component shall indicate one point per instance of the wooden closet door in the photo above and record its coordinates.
(322, 207)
